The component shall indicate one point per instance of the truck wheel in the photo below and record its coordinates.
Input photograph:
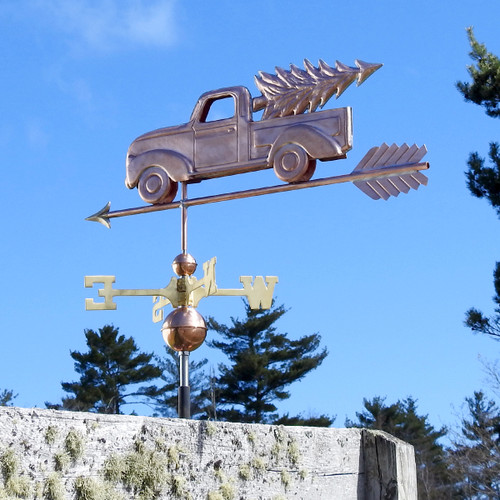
(291, 163)
(155, 186)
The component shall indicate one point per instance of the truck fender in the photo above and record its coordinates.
(177, 166)
(316, 144)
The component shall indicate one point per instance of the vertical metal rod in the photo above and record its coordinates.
(184, 367)
(183, 218)
(184, 396)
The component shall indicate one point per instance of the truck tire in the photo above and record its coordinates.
(291, 163)
(155, 186)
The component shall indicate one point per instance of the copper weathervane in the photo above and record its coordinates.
(290, 136)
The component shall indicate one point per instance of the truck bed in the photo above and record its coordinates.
(333, 122)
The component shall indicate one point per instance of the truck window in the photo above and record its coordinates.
(220, 108)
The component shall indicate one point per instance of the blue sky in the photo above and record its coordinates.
(386, 284)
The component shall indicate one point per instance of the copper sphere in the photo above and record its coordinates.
(184, 329)
(184, 265)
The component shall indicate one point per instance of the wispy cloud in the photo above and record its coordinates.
(107, 25)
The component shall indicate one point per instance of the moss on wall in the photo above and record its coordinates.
(73, 444)
(53, 488)
(52, 455)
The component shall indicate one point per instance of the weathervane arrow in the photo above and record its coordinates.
(383, 171)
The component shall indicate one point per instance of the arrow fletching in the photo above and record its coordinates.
(383, 157)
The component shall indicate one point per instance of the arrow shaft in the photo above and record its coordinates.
(236, 195)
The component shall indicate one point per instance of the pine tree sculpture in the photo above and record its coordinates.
(297, 91)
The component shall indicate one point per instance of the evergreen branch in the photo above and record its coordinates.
(485, 86)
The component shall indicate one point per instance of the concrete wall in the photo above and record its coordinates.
(64, 455)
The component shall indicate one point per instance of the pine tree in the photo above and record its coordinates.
(166, 403)
(478, 322)
(475, 457)
(6, 397)
(402, 421)
(263, 364)
(110, 372)
(484, 181)
(312, 421)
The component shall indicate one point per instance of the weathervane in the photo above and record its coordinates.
(289, 137)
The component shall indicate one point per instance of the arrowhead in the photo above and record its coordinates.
(101, 216)
(366, 70)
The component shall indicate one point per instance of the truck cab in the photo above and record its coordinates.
(204, 147)
(221, 141)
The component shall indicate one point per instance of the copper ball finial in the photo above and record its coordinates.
(184, 329)
(184, 265)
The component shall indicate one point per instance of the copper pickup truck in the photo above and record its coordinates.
(206, 148)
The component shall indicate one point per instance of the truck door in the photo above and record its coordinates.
(216, 134)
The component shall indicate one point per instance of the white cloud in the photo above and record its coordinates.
(110, 24)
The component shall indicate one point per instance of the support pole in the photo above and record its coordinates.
(184, 218)
(184, 396)
(184, 393)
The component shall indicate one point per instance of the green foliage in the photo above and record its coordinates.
(402, 421)
(478, 322)
(321, 421)
(484, 181)
(109, 373)
(263, 364)
(485, 87)
(475, 456)
(166, 403)
(7, 397)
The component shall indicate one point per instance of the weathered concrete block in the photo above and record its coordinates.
(64, 455)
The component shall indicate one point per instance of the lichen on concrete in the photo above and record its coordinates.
(56, 455)
(88, 488)
(73, 444)
(51, 434)
(53, 488)
(62, 461)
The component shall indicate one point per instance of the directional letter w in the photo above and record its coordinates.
(259, 295)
